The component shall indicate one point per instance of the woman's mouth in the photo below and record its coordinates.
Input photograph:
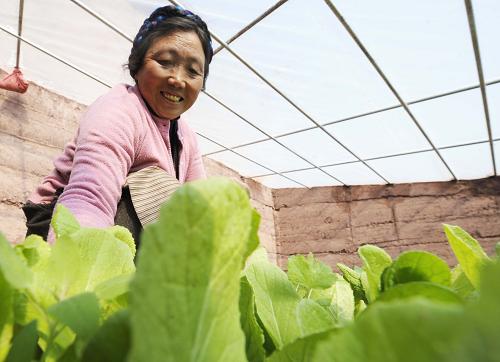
(171, 97)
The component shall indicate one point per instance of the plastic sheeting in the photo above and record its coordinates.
(424, 48)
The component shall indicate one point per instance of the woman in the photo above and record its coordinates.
(133, 128)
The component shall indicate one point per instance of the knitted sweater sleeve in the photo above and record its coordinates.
(104, 152)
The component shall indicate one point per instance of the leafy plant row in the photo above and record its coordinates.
(203, 290)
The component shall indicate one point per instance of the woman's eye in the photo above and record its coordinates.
(164, 63)
(193, 71)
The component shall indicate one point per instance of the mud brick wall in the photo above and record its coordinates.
(333, 222)
(35, 126)
(33, 129)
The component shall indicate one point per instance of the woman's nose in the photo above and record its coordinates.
(175, 79)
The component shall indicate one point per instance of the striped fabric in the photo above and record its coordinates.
(149, 189)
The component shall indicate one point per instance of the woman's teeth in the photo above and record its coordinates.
(171, 97)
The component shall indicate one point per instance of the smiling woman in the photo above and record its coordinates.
(133, 146)
(172, 74)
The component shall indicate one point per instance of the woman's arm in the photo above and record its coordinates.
(105, 150)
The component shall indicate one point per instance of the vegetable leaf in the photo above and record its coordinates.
(184, 296)
(309, 272)
(24, 344)
(277, 303)
(469, 253)
(111, 341)
(375, 260)
(6, 316)
(63, 222)
(13, 267)
(461, 284)
(253, 333)
(342, 304)
(312, 318)
(420, 289)
(80, 313)
(354, 279)
(413, 266)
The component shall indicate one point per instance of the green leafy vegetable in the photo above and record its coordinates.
(80, 313)
(469, 253)
(342, 304)
(375, 260)
(277, 303)
(461, 284)
(414, 266)
(24, 344)
(309, 272)
(354, 279)
(6, 316)
(254, 336)
(420, 289)
(63, 222)
(184, 297)
(312, 318)
(112, 340)
(13, 268)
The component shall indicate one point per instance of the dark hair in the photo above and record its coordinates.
(165, 21)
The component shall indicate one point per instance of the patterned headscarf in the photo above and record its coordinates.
(169, 11)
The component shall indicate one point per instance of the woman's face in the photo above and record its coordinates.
(171, 76)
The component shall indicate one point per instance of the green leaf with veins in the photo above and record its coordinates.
(184, 296)
(309, 272)
(375, 260)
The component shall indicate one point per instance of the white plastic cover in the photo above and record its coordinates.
(309, 72)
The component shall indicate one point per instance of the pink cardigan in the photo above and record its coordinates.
(117, 135)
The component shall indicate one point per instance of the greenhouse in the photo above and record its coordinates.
(328, 191)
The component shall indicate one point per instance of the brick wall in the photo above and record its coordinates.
(333, 222)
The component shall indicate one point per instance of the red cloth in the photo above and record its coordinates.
(14, 82)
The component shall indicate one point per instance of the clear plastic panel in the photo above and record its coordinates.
(469, 162)
(318, 147)
(424, 47)
(130, 17)
(207, 146)
(496, 146)
(355, 173)
(454, 119)
(493, 96)
(241, 90)
(277, 182)
(487, 13)
(380, 134)
(217, 123)
(270, 154)
(8, 54)
(76, 36)
(418, 167)
(304, 51)
(9, 15)
(8, 19)
(224, 18)
(243, 166)
(57, 77)
(313, 178)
